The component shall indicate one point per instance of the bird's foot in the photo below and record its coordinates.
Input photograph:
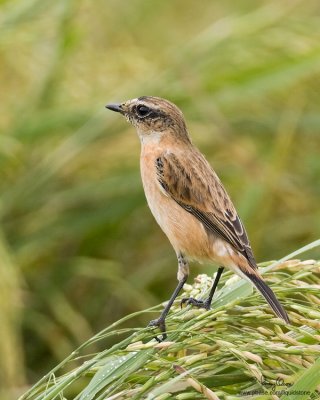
(195, 302)
(159, 323)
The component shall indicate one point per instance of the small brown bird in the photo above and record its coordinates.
(189, 201)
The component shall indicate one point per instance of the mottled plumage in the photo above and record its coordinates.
(188, 199)
(196, 188)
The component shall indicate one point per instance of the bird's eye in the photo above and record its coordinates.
(143, 111)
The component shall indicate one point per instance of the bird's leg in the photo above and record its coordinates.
(183, 273)
(205, 303)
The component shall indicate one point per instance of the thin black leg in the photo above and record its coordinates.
(160, 322)
(206, 303)
(183, 273)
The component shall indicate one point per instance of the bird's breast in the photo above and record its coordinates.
(158, 200)
(185, 232)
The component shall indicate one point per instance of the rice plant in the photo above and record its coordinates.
(239, 349)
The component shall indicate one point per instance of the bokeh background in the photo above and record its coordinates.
(78, 246)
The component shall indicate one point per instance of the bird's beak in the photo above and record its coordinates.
(115, 107)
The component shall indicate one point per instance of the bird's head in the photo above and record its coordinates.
(153, 117)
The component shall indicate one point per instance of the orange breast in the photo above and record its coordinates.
(185, 232)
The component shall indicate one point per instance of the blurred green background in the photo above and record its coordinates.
(78, 246)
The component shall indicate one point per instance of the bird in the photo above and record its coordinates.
(189, 202)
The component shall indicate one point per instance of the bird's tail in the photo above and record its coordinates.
(268, 294)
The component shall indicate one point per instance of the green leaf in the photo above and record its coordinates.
(305, 387)
(115, 367)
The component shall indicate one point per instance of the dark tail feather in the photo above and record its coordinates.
(268, 294)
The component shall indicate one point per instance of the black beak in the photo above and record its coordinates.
(115, 107)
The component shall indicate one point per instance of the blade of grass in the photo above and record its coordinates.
(306, 385)
(117, 367)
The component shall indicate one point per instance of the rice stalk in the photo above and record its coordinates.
(239, 348)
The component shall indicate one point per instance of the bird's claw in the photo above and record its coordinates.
(195, 302)
(159, 323)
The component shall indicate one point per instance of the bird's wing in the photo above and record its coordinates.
(191, 182)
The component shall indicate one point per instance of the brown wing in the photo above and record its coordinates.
(191, 182)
